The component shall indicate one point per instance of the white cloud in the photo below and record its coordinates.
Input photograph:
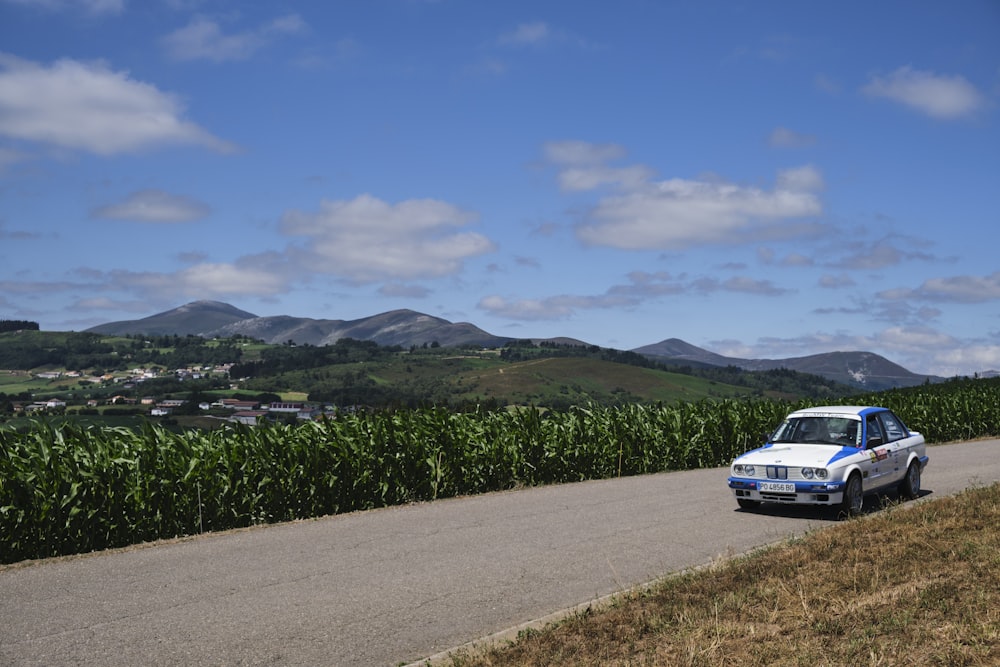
(88, 107)
(203, 39)
(526, 33)
(913, 339)
(641, 286)
(405, 291)
(679, 213)
(524, 309)
(557, 307)
(957, 289)
(367, 240)
(836, 282)
(877, 255)
(103, 303)
(105, 6)
(797, 259)
(741, 284)
(782, 137)
(826, 85)
(644, 214)
(153, 206)
(227, 279)
(575, 179)
(17, 234)
(939, 96)
(360, 241)
(967, 359)
(259, 275)
(9, 157)
(289, 24)
(800, 179)
(90, 6)
(581, 153)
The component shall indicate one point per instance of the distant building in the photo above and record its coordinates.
(248, 417)
(236, 404)
(286, 407)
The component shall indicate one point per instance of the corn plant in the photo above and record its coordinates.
(67, 489)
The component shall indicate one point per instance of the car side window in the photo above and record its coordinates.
(874, 429)
(894, 429)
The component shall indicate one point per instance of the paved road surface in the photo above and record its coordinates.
(395, 585)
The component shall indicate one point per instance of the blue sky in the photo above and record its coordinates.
(761, 179)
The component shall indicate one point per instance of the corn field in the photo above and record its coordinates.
(70, 489)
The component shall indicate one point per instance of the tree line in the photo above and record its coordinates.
(17, 325)
(93, 352)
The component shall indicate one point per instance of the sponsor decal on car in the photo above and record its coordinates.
(878, 455)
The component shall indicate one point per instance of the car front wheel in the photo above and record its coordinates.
(853, 497)
(909, 488)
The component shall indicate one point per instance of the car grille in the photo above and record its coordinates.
(781, 473)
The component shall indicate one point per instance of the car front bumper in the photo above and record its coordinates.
(805, 493)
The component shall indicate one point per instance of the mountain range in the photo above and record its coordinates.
(408, 328)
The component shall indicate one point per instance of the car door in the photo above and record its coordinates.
(897, 438)
(905, 442)
(874, 468)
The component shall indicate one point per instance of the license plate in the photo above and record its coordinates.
(777, 487)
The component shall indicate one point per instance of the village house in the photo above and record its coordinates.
(236, 404)
(303, 411)
(309, 412)
(285, 407)
(248, 417)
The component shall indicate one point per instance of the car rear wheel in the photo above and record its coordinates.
(909, 488)
(747, 504)
(854, 498)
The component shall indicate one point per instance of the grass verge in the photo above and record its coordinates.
(911, 585)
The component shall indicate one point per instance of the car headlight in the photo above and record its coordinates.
(822, 473)
(807, 473)
(737, 469)
(748, 470)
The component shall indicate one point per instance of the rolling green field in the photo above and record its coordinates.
(360, 373)
(546, 381)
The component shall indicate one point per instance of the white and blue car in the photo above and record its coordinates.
(833, 455)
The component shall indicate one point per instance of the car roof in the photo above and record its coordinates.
(856, 411)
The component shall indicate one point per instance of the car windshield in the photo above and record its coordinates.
(841, 431)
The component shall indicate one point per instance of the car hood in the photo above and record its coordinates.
(796, 455)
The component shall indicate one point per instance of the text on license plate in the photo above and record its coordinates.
(777, 487)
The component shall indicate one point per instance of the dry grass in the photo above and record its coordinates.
(912, 585)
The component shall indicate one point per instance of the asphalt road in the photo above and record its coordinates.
(396, 585)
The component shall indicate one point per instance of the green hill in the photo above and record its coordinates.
(89, 367)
